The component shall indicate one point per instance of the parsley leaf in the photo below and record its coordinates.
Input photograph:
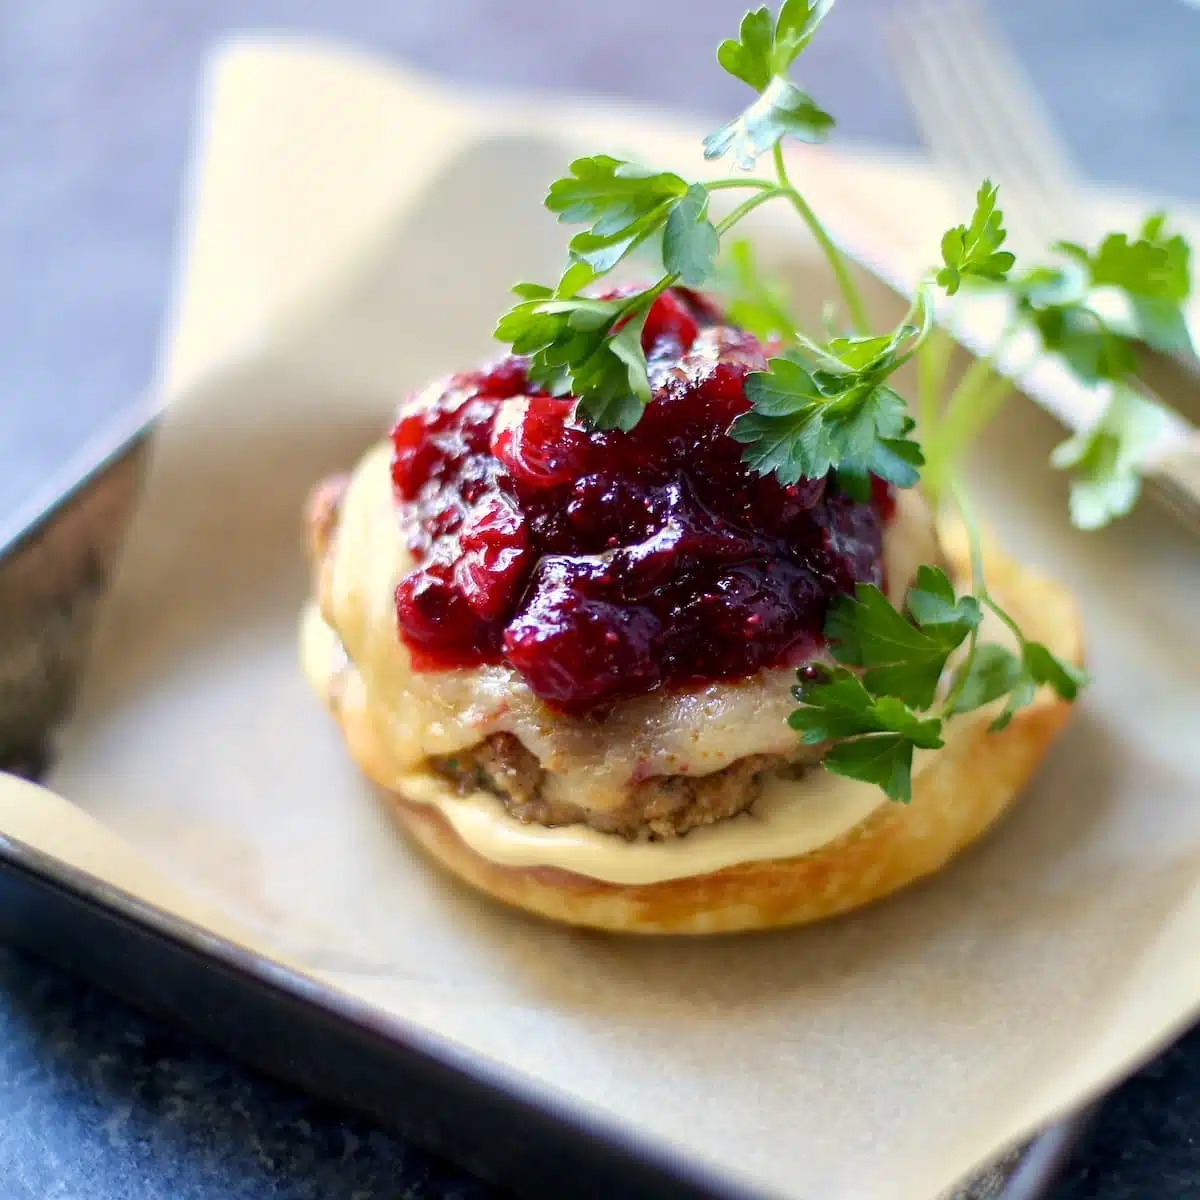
(875, 736)
(993, 671)
(1037, 667)
(884, 759)
(1152, 273)
(760, 56)
(572, 348)
(780, 110)
(622, 202)
(904, 653)
(806, 420)
(973, 251)
(1048, 669)
(612, 384)
(689, 246)
(1105, 459)
(764, 48)
(749, 56)
(798, 22)
(1091, 349)
(1094, 309)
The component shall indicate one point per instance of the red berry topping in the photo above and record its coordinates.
(606, 565)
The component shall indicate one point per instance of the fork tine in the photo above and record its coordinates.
(976, 109)
(966, 90)
(1018, 123)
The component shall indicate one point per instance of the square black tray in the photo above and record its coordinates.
(54, 558)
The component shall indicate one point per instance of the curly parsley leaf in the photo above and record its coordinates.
(623, 203)
(875, 735)
(904, 653)
(973, 251)
(807, 419)
(689, 244)
(1105, 460)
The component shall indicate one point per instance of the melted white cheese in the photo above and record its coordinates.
(790, 818)
(424, 714)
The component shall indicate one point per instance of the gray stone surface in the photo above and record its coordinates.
(95, 106)
(98, 1104)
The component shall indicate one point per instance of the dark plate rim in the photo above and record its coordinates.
(255, 970)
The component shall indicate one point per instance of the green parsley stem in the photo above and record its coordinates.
(746, 207)
(976, 398)
(971, 524)
(858, 312)
(963, 422)
(718, 185)
(1009, 621)
(645, 298)
(829, 361)
(960, 676)
(979, 375)
(922, 306)
(978, 585)
(933, 359)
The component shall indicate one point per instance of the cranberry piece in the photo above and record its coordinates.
(849, 546)
(670, 326)
(508, 377)
(435, 619)
(494, 556)
(576, 652)
(539, 445)
(748, 617)
(883, 497)
(785, 509)
(703, 307)
(413, 455)
(605, 565)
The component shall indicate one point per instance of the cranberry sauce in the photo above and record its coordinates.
(605, 565)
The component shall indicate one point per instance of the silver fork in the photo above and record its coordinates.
(980, 117)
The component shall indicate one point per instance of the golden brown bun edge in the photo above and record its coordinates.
(956, 798)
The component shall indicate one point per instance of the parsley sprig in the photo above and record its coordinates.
(821, 408)
(588, 348)
(895, 704)
(827, 405)
(1094, 309)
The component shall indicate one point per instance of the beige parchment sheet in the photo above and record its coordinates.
(351, 232)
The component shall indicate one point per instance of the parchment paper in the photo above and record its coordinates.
(351, 234)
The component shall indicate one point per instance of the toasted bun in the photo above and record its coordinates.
(956, 798)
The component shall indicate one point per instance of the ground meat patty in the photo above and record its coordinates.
(660, 807)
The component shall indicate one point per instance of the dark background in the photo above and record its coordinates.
(96, 101)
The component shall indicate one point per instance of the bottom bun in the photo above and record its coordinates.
(962, 791)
